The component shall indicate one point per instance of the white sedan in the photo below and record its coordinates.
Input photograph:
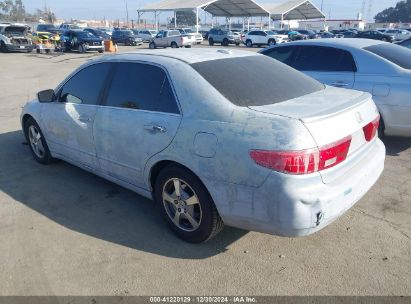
(380, 68)
(214, 137)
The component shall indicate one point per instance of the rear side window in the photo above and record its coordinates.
(398, 55)
(141, 86)
(85, 87)
(256, 80)
(407, 44)
(174, 33)
(324, 59)
(284, 54)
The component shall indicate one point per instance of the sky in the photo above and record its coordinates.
(116, 9)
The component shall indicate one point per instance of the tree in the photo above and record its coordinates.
(13, 10)
(400, 13)
(185, 18)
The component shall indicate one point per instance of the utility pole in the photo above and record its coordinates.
(322, 5)
(127, 12)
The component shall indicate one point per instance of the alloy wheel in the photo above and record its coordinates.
(36, 142)
(182, 204)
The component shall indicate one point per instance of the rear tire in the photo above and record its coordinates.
(81, 48)
(174, 45)
(37, 143)
(189, 211)
(271, 42)
(237, 43)
(381, 128)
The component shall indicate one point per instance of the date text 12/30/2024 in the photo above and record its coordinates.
(203, 299)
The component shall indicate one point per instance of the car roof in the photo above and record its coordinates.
(340, 42)
(189, 56)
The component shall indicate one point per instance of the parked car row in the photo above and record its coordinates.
(380, 68)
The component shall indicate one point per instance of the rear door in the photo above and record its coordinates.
(139, 119)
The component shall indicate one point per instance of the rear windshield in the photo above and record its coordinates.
(398, 55)
(256, 80)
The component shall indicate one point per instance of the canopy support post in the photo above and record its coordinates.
(248, 24)
(282, 19)
(197, 19)
(269, 22)
(175, 19)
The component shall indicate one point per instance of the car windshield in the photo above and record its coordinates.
(127, 33)
(86, 35)
(396, 54)
(256, 80)
(271, 32)
(188, 31)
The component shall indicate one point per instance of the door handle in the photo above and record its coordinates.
(340, 84)
(84, 118)
(155, 128)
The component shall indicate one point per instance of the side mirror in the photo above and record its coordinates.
(46, 96)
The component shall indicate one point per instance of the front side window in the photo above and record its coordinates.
(85, 87)
(143, 87)
(324, 59)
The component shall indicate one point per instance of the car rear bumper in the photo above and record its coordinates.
(290, 205)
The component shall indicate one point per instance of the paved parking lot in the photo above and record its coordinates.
(64, 231)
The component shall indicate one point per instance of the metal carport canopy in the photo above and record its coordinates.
(293, 10)
(217, 8)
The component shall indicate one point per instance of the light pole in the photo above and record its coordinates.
(127, 13)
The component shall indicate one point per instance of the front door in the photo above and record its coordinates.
(139, 119)
(68, 121)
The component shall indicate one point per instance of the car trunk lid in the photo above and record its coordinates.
(331, 115)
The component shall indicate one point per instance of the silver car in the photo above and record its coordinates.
(214, 137)
(380, 68)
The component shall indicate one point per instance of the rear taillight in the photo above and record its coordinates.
(304, 161)
(371, 129)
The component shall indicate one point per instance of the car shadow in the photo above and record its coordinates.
(93, 206)
(396, 145)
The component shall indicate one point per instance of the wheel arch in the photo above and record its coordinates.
(25, 118)
(157, 167)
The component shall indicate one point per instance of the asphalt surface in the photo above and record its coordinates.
(64, 231)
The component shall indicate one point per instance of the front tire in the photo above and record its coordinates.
(37, 143)
(152, 45)
(211, 41)
(3, 47)
(248, 43)
(225, 42)
(271, 42)
(174, 45)
(186, 205)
